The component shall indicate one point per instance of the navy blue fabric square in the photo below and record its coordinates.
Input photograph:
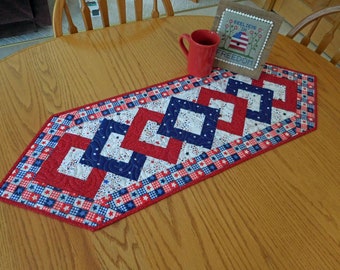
(130, 205)
(93, 158)
(81, 213)
(205, 139)
(265, 112)
(19, 190)
(49, 202)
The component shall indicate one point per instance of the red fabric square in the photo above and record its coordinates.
(48, 174)
(236, 126)
(132, 142)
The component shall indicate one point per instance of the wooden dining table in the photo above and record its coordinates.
(280, 210)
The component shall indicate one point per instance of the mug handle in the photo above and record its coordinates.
(182, 45)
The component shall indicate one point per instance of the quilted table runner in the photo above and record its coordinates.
(94, 165)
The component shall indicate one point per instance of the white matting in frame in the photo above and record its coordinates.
(247, 36)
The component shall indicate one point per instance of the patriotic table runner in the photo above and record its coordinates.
(94, 165)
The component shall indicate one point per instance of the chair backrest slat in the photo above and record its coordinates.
(168, 7)
(307, 38)
(122, 11)
(104, 12)
(327, 38)
(71, 27)
(155, 12)
(139, 10)
(86, 14)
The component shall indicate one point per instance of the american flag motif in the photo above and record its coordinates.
(239, 41)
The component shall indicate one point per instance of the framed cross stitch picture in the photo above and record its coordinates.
(247, 35)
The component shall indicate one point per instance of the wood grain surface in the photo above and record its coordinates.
(280, 210)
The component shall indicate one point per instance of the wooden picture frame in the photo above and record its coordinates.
(247, 36)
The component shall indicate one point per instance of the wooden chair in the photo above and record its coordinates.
(61, 6)
(313, 20)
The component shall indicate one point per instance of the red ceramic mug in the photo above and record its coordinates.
(201, 52)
